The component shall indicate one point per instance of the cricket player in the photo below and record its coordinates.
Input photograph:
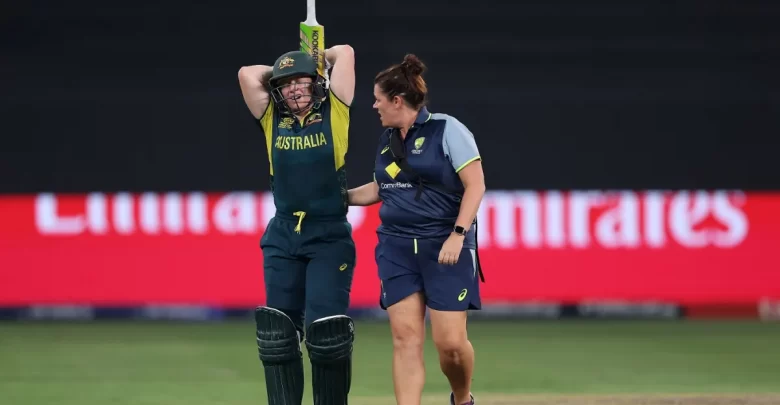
(428, 176)
(308, 250)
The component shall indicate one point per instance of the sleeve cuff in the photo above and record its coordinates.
(467, 163)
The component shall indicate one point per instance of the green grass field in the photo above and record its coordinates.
(517, 362)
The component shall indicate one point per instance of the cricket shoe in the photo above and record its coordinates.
(452, 400)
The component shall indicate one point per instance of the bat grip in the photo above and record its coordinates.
(311, 13)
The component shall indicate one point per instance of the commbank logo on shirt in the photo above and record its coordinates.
(392, 170)
(386, 186)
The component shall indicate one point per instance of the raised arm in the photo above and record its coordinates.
(342, 76)
(251, 79)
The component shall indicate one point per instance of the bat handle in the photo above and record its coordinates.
(311, 13)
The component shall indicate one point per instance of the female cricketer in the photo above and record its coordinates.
(308, 250)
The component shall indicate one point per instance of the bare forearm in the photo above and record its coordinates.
(367, 194)
(253, 81)
(256, 74)
(469, 205)
(333, 53)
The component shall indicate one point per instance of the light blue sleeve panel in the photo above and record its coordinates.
(458, 142)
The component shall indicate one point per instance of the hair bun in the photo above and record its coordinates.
(412, 65)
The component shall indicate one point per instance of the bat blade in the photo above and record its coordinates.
(313, 38)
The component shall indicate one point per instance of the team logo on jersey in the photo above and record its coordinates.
(286, 62)
(311, 119)
(286, 123)
(418, 143)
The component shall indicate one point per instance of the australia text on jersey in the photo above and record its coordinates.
(300, 142)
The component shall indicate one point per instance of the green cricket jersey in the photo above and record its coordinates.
(307, 157)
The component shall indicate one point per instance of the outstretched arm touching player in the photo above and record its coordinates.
(252, 79)
(342, 77)
(367, 194)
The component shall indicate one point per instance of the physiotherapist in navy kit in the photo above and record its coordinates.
(428, 176)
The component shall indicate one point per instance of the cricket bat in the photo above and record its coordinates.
(313, 38)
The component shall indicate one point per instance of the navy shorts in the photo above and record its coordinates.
(408, 265)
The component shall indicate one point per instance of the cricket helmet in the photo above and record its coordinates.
(296, 64)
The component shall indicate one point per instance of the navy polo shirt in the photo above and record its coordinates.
(437, 146)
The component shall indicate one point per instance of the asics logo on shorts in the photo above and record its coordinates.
(462, 295)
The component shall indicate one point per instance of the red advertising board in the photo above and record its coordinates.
(686, 247)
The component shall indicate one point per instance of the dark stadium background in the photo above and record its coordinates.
(561, 94)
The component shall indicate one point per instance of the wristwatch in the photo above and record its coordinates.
(460, 230)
